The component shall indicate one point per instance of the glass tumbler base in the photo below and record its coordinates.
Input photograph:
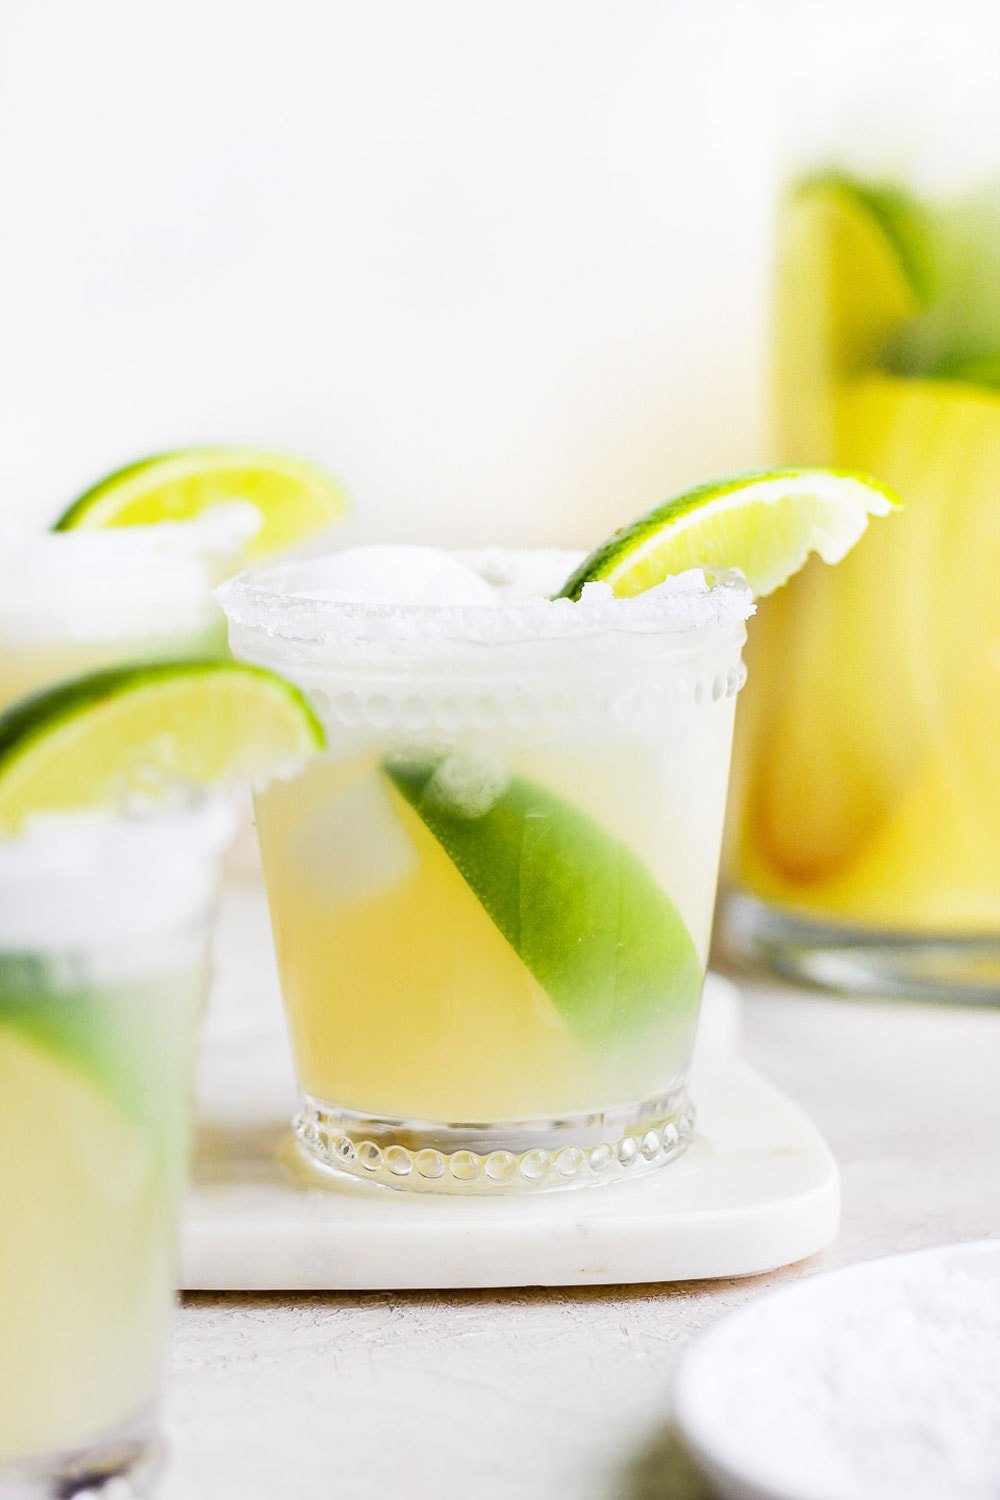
(864, 961)
(511, 1157)
(124, 1466)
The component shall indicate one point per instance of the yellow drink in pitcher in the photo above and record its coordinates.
(868, 796)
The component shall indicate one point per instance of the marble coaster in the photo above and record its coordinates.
(757, 1189)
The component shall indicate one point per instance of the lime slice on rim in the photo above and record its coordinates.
(142, 729)
(295, 498)
(766, 524)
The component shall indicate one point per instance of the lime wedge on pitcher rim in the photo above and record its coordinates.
(296, 499)
(765, 523)
(142, 730)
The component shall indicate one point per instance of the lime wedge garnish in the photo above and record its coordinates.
(766, 524)
(97, 739)
(295, 498)
(579, 908)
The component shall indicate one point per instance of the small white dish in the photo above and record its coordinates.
(744, 1410)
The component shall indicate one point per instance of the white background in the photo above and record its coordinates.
(502, 267)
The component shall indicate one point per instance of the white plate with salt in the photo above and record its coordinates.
(881, 1381)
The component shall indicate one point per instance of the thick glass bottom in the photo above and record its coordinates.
(124, 1465)
(508, 1157)
(864, 961)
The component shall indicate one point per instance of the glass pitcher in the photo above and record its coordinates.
(865, 847)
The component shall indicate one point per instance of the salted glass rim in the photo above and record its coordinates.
(102, 880)
(91, 584)
(274, 602)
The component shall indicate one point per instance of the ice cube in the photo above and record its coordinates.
(394, 575)
(355, 847)
(469, 783)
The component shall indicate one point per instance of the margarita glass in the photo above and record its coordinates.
(102, 977)
(867, 816)
(492, 895)
(73, 601)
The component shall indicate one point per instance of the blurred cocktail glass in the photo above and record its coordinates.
(866, 837)
(103, 928)
(492, 896)
(73, 601)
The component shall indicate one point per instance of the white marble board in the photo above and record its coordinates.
(757, 1189)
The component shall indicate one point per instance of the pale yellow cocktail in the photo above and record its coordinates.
(103, 927)
(492, 896)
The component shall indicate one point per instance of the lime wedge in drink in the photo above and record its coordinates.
(138, 730)
(852, 274)
(957, 336)
(578, 907)
(766, 524)
(870, 255)
(123, 1032)
(295, 498)
(869, 277)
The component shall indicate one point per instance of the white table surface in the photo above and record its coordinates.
(541, 1395)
